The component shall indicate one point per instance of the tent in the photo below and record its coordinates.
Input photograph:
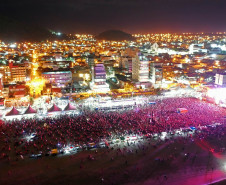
(13, 112)
(69, 107)
(54, 108)
(30, 110)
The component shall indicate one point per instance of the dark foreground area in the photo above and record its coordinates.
(178, 160)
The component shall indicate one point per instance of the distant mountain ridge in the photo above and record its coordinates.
(15, 31)
(115, 35)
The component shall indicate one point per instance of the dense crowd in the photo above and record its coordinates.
(92, 126)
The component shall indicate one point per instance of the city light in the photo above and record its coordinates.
(218, 94)
(36, 86)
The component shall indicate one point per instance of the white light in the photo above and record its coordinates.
(30, 137)
(224, 166)
(213, 45)
(12, 46)
(217, 94)
(214, 55)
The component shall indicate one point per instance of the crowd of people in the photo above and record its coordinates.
(92, 126)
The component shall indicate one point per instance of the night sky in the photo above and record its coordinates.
(133, 16)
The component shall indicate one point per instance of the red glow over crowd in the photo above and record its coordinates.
(92, 126)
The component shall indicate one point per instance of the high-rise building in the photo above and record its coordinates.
(156, 73)
(126, 65)
(6, 74)
(99, 78)
(140, 69)
(220, 79)
(18, 72)
(91, 63)
(91, 60)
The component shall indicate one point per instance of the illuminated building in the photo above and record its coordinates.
(58, 78)
(99, 79)
(58, 56)
(215, 51)
(91, 61)
(17, 90)
(18, 72)
(130, 52)
(140, 69)
(6, 75)
(126, 64)
(155, 47)
(220, 79)
(156, 73)
(55, 64)
(197, 48)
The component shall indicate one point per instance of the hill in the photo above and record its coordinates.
(15, 31)
(115, 35)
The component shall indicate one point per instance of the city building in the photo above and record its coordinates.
(18, 72)
(58, 78)
(197, 48)
(220, 79)
(156, 73)
(140, 69)
(6, 74)
(126, 65)
(99, 79)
